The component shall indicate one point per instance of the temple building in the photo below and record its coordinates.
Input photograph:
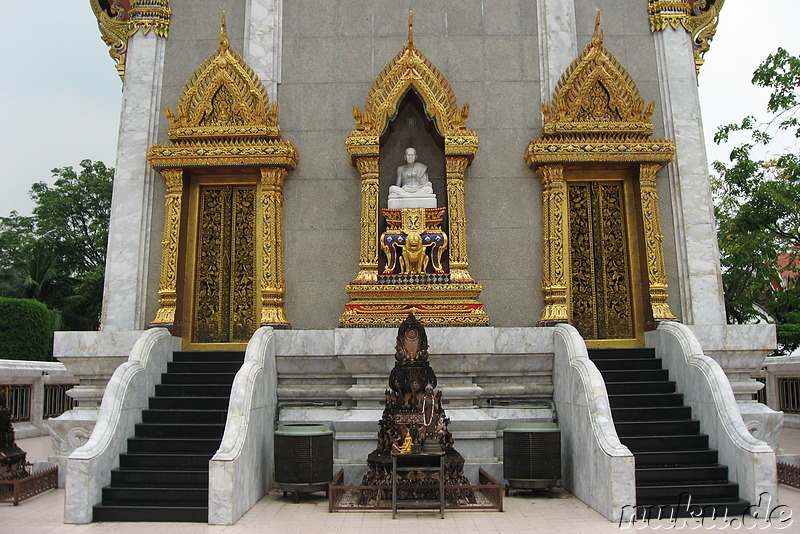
(528, 178)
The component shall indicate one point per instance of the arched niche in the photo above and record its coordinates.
(410, 127)
(411, 97)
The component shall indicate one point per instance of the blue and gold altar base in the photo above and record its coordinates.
(413, 276)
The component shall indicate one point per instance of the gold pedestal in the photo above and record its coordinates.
(432, 304)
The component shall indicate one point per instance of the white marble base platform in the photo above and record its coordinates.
(421, 201)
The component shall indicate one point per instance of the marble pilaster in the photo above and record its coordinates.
(262, 42)
(558, 42)
(128, 284)
(699, 284)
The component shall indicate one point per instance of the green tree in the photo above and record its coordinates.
(757, 204)
(57, 255)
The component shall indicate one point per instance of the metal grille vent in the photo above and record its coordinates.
(303, 459)
(531, 454)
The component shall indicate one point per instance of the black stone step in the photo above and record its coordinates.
(699, 511)
(621, 388)
(628, 364)
(604, 354)
(162, 496)
(651, 413)
(189, 403)
(674, 493)
(637, 400)
(164, 460)
(197, 378)
(207, 356)
(662, 475)
(179, 430)
(184, 416)
(676, 458)
(203, 367)
(166, 445)
(155, 513)
(665, 443)
(638, 375)
(159, 477)
(657, 428)
(193, 390)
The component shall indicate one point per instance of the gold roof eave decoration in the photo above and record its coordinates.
(117, 26)
(411, 69)
(223, 117)
(597, 114)
(698, 17)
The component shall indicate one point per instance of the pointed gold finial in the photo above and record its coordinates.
(223, 33)
(597, 38)
(410, 25)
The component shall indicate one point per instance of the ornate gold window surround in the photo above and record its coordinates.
(698, 17)
(224, 119)
(372, 304)
(597, 117)
(117, 25)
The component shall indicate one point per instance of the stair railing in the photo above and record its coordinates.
(706, 388)
(596, 467)
(241, 471)
(126, 395)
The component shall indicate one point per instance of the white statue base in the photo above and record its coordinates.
(418, 201)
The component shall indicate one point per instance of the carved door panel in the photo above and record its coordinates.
(603, 291)
(224, 300)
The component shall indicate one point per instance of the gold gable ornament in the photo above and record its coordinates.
(117, 26)
(698, 17)
(598, 122)
(448, 300)
(225, 126)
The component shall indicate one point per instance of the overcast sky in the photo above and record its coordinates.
(60, 93)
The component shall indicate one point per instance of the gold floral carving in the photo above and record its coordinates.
(410, 70)
(699, 18)
(272, 281)
(555, 252)
(168, 286)
(224, 119)
(653, 241)
(596, 118)
(117, 26)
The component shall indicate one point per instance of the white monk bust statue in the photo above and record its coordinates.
(413, 189)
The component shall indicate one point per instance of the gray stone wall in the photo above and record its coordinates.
(490, 52)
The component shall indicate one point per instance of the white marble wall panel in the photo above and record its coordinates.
(558, 42)
(304, 342)
(262, 41)
(699, 279)
(751, 462)
(127, 393)
(595, 466)
(241, 471)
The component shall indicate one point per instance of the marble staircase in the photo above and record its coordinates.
(163, 475)
(677, 473)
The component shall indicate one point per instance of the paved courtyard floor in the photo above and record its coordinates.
(555, 512)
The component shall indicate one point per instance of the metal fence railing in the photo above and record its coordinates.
(789, 395)
(18, 400)
(56, 400)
